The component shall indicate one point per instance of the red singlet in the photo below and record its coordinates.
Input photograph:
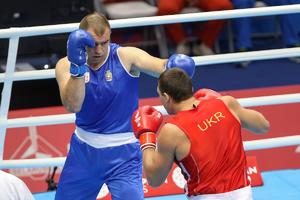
(216, 162)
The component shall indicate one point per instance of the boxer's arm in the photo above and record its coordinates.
(70, 70)
(158, 162)
(137, 59)
(250, 119)
(72, 89)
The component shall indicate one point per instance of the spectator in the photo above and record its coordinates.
(209, 32)
(242, 27)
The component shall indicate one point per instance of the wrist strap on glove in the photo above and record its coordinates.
(77, 71)
(148, 140)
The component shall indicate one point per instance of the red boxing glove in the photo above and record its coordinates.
(206, 94)
(145, 123)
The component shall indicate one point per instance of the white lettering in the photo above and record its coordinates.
(214, 119)
(210, 121)
(144, 181)
(202, 129)
(252, 170)
(219, 115)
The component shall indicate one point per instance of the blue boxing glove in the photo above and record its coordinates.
(183, 62)
(76, 51)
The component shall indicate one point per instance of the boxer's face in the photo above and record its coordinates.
(98, 54)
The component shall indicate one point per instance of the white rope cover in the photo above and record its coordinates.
(59, 161)
(70, 118)
(156, 20)
(199, 60)
(15, 33)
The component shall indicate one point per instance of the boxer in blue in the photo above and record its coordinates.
(98, 81)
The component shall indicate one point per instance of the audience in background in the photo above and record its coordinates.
(209, 31)
(242, 27)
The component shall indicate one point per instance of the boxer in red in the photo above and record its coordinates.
(203, 138)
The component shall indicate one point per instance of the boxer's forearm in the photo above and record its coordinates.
(72, 90)
(151, 165)
(73, 94)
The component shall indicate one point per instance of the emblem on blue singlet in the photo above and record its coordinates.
(108, 75)
(86, 77)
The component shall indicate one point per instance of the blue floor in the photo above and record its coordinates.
(278, 185)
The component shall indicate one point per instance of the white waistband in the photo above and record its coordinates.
(105, 140)
(244, 193)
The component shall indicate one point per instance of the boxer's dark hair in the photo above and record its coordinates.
(176, 83)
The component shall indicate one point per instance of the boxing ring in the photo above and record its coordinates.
(14, 34)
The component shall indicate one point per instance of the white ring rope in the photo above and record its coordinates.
(199, 60)
(272, 142)
(70, 118)
(15, 33)
(121, 23)
(59, 161)
(156, 20)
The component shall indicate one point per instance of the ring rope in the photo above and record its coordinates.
(70, 118)
(199, 61)
(155, 20)
(59, 161)
(15, 33)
